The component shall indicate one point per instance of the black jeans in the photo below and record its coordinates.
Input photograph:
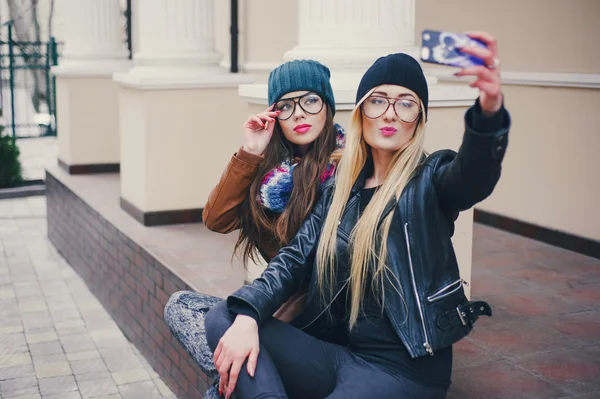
(294, 364)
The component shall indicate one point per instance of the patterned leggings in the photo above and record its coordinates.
(184, 314)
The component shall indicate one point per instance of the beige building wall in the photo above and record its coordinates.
(88, 123)
(535, 35)
(550, 175)
(550, 171)
(267, 30)
(194, 132)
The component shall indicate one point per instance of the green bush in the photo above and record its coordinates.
(10, 167)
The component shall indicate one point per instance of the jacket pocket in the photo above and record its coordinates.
(447, 290)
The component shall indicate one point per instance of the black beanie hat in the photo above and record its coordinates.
(395, 69)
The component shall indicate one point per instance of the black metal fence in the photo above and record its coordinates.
(27, 88)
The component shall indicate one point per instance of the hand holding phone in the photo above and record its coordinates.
(476, 53)
(444, 48)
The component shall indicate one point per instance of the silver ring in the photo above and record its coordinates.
(495, 65)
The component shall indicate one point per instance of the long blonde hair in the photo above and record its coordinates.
(367, 233)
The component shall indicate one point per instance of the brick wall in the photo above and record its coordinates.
(132, 285)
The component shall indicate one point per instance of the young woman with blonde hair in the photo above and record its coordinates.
(377, 250)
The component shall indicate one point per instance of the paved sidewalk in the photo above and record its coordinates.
(543, 341)
(56, 340)
(37, 154)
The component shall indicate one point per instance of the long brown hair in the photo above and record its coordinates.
(261, 225)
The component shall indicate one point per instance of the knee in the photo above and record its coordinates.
(217, 322)
(173, 309)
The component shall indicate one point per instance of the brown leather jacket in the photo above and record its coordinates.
(221, 213)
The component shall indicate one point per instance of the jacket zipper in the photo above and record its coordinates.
(441, 293)
(427, 345)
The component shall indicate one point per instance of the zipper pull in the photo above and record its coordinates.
(465, 282)
(428, 348)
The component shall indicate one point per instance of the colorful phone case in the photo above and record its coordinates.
(443, 48)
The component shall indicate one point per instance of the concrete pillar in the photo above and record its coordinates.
(178, 108)
(86, 95)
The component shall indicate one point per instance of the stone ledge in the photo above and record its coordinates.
(134, 269)
(27, 189)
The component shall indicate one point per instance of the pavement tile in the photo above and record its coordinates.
(36, 338)
(46, 348)
(163, 388)
(46, 370)
(98, 387)
(130, 376)
(18, 384)
(56, 385)
(20, 371)
(501, 380)
(146, 390)
(576, 371)
(518, 339)
(43, 359)
(127, 362)
(88, 366)
(64, 395)
(15, 359)
(85, 355)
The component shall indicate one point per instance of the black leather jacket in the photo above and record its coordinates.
(433, 312)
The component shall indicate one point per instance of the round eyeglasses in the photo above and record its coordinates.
(406, 110)
(310, 103)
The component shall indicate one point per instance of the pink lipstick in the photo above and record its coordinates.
(302, 128)
(388, 131)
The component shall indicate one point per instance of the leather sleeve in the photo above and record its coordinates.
(286, 271)
(474, 172)
(221, 213)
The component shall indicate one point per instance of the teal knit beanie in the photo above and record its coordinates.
(300, 75)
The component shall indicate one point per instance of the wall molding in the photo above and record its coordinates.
(516, 78)
(540, 79)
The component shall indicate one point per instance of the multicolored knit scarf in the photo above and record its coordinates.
(276, 187)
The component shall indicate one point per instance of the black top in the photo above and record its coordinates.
(373, 338)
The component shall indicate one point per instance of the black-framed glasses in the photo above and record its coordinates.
(310, 103)
(406, 110)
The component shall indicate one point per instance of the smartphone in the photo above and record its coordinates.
(443, 48)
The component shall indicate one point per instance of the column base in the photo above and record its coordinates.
(161, 218)
(177, 135)
(89, 169)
